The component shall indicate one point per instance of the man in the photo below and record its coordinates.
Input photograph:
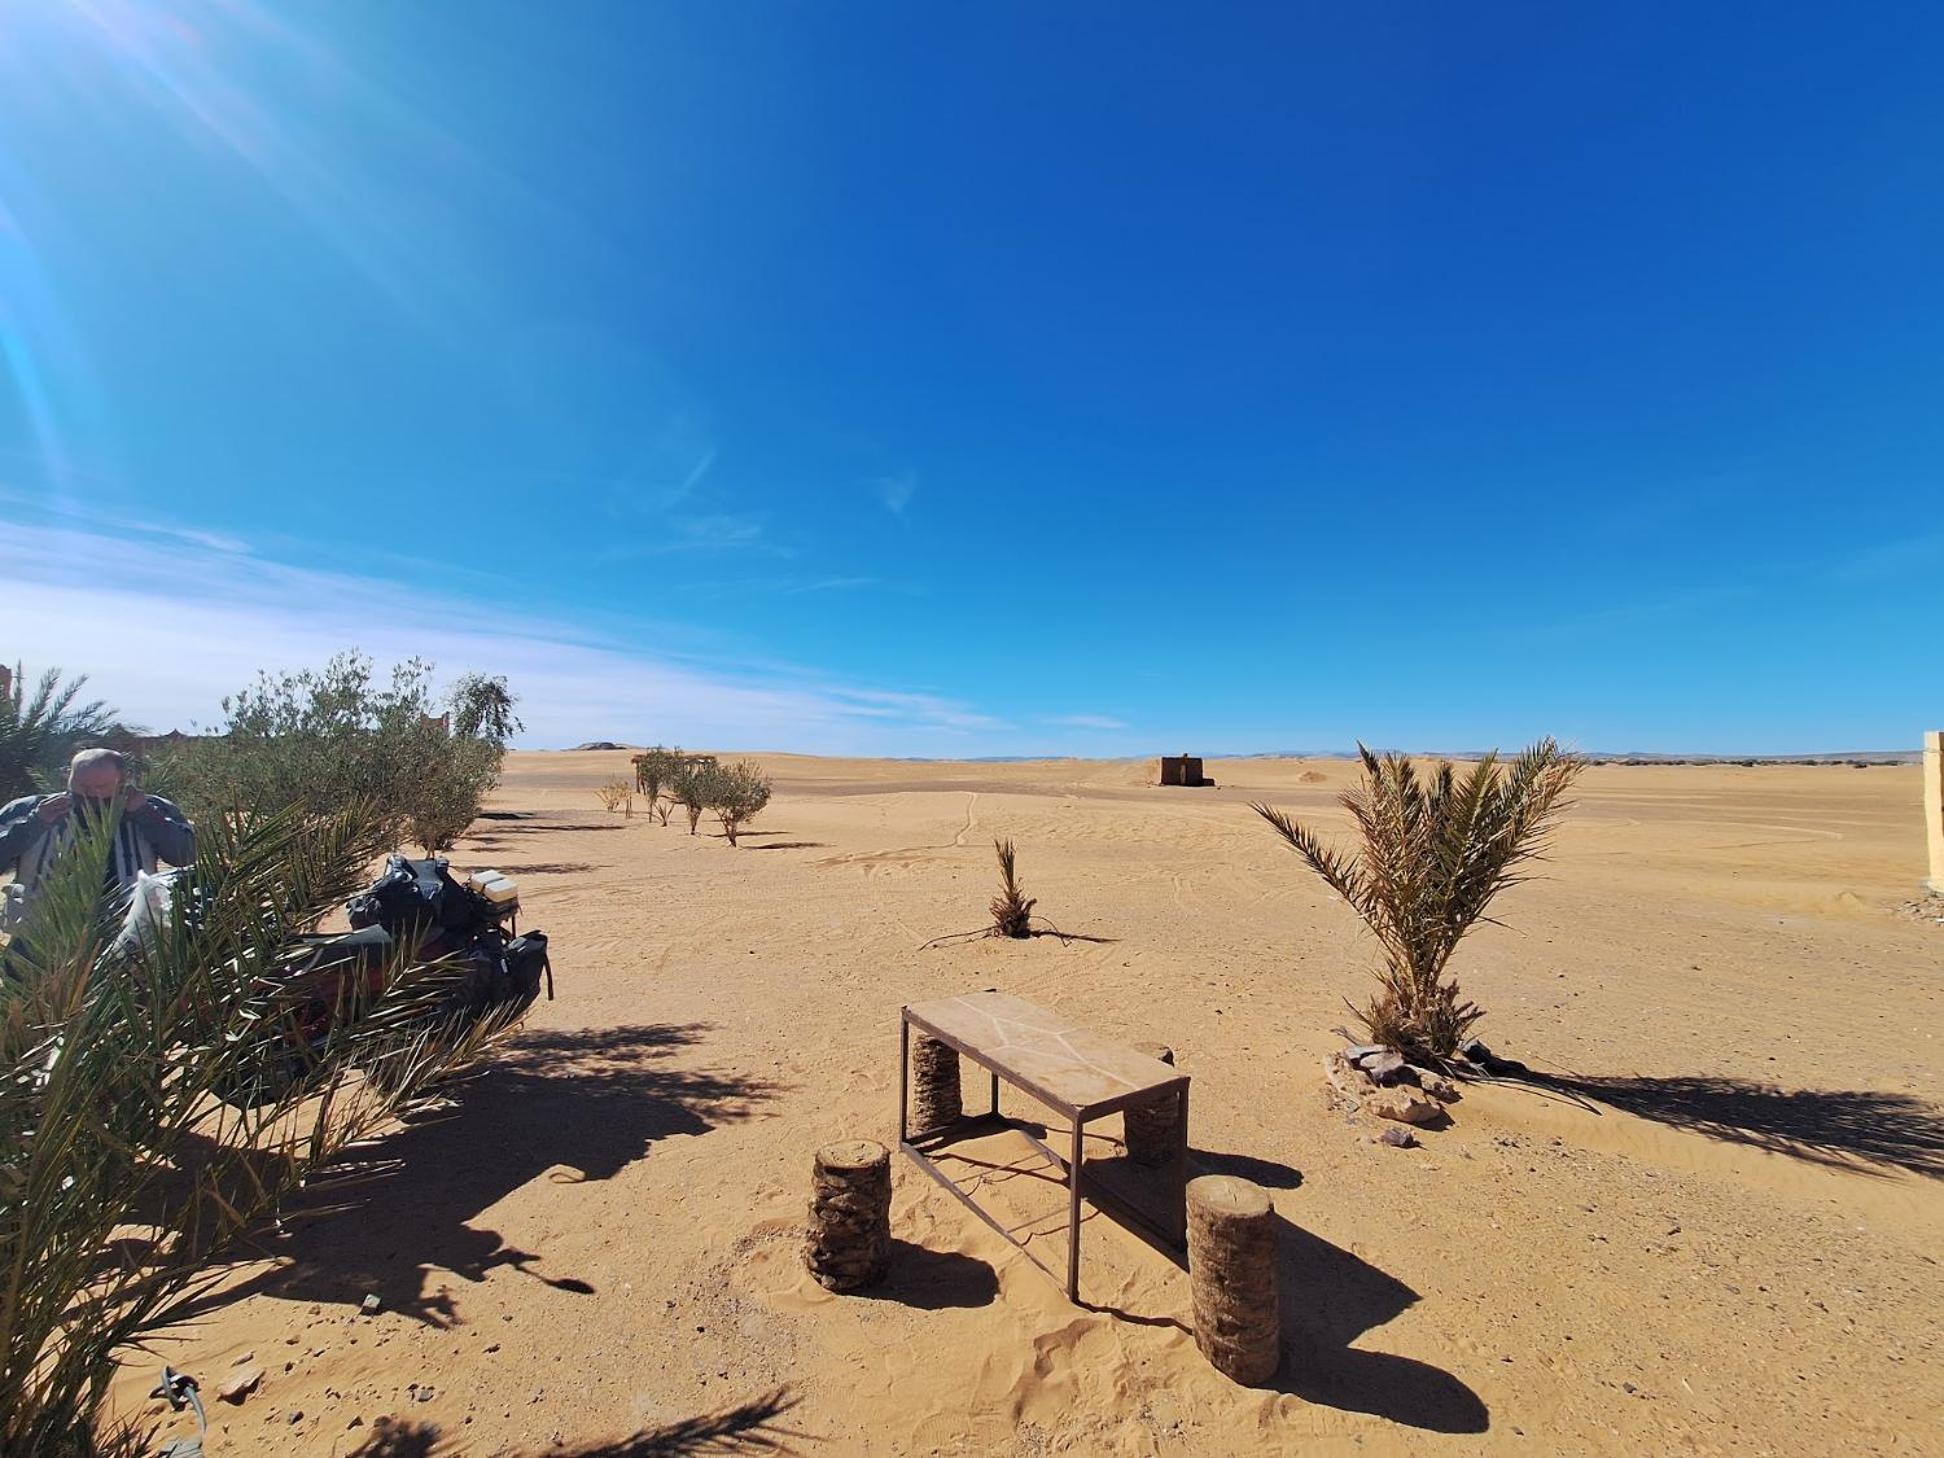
(36, 828)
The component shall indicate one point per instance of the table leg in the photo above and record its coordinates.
(995, 1095)
(1181, 1168)
(904, 1078)
(1073, 1217)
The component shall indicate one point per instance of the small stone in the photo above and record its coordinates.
(424, 1394)
(371, 1305)
(295, 1417)
(1476, 1051)
(1385, 1067)
(239, 1385)
(1396, 1138)
(1436, 1084)
(1405, 1108)
(1361, 1051)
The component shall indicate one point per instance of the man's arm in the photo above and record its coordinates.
(167, 829)
(20, 827)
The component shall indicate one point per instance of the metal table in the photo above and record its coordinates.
(1077, 1074)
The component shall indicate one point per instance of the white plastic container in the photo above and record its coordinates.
(500, 890)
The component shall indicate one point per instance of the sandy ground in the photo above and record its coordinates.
(1722, 1237)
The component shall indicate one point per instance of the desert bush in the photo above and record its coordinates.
(40, 731)
(737, 794)
(124, 1176)
(332, 738)
(447, 798)
(1433, 856)
(614, 794)
(693, 786)
(661, 807)
(657, 767)
(1012, 908)
(482, 708)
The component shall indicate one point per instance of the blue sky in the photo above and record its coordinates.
(988, 379)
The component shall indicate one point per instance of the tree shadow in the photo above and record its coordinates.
(500, 833)
(791, 845)
(547, 868)
(748, 1427)
(933, 1280)
(1329, 1298)
(1851, 1130)
(593, 1101)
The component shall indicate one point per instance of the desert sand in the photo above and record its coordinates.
(1722, 1237)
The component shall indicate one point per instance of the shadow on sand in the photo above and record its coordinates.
(933, 1280)
(1330, 1298)
(592, 1101)
(1847, 1130)
(749, 1427)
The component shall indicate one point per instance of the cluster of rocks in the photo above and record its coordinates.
(1379, 1081)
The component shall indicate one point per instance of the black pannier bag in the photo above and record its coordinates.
(420, 904)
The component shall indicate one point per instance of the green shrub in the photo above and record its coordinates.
(693, 786)
(333, 738)
(657, 767)
(737, 794)
(482, 708)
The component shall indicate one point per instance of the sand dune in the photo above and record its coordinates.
(1719, 1233)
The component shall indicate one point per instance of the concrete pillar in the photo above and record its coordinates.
(1934, 807)
(849, 1243)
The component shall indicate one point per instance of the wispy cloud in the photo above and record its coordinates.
(1084, 721)
(167, 626)
(895, 491)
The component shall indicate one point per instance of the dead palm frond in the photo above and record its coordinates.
(1434, 853)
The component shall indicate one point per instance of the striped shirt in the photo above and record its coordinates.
(144, 838)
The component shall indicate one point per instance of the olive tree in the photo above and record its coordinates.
(737, 794)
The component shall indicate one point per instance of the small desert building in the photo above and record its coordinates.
(1184, 769)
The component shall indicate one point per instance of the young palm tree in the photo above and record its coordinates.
(1433, 857)
(130, 1159)
(39, 731)
(1012, 908)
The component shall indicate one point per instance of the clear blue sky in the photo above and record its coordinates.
(989, 378)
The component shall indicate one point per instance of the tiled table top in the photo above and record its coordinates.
(1049, 1055)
